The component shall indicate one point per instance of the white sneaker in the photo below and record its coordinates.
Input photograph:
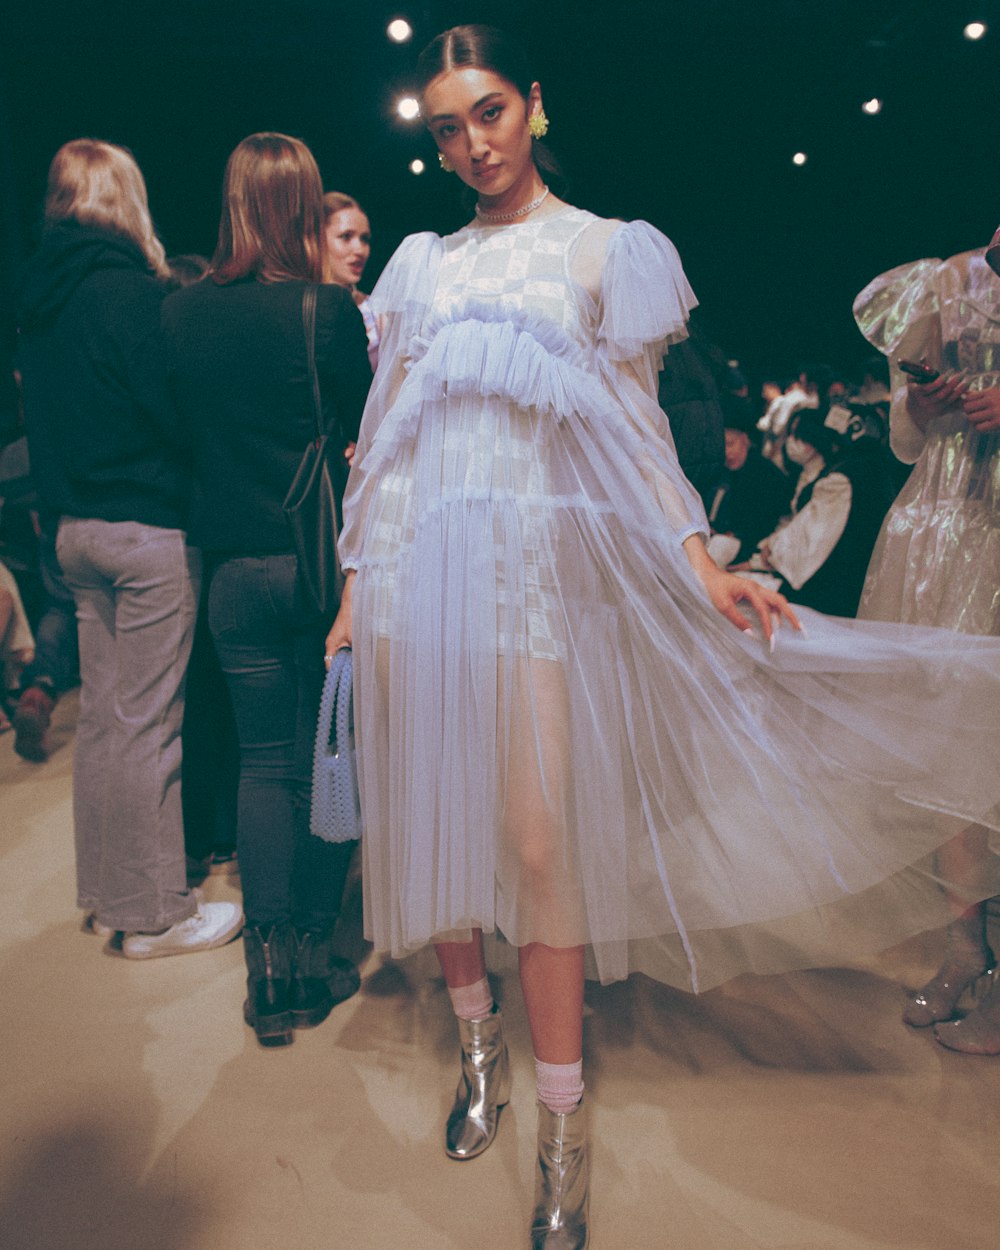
(213, 924)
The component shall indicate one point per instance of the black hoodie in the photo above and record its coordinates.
(101, 432)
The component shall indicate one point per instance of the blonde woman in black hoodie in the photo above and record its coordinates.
(106, 457)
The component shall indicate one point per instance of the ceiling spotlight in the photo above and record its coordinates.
(417, 166)
(399, 30)
(799, 158)
(975, 30)
(872, 107)
(408, 108)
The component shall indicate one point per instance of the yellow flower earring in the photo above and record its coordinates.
(538, 124)
(443, 162)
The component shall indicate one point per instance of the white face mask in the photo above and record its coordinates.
(797, 451)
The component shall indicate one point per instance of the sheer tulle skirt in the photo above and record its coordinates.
(559, 739)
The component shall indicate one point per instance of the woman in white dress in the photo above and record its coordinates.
(937, 559)
(562, 737)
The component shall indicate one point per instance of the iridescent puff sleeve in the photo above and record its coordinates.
(399, 302)
(899, 314)
(645, 303)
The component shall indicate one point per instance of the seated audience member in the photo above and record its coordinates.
(821, 552)
(801, 392)
(749, 497)
(873, 383)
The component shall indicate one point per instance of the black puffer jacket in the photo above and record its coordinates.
(102, 436)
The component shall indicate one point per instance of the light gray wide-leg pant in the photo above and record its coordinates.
(136, 592)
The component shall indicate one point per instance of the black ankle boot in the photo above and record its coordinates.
(269, 966)
(320, 979)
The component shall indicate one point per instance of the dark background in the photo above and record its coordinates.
(684, 113)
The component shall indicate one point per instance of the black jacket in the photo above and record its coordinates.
(689, 395)
(835, 588)
(101, 433)
(753, 501)
(238, 375)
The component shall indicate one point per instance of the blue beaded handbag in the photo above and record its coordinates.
(335, 813)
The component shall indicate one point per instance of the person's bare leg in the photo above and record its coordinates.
(552, 982)
(462, 963)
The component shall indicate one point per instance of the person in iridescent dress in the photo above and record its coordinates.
(937, 558)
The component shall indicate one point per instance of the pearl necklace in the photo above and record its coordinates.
(495, 219)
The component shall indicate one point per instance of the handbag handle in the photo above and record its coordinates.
(309, 329)
(335, 817)
(335, 706)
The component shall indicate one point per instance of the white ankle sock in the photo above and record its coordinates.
(472, 1002)
(559, 1085)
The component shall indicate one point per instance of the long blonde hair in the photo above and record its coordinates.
(100, 184)
(272, 213)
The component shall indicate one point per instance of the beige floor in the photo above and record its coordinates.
(138, 1113)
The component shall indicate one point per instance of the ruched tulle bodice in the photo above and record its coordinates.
(558, 737)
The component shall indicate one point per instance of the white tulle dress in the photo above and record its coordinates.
(559, 739)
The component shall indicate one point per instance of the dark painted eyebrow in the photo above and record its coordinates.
(440, 117)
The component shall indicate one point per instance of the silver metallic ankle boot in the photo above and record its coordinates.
(562, 1181)
(483, 1087)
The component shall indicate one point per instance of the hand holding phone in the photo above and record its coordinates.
(920, 372)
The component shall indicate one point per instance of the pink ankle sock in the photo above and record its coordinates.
(559, 1085)
(472, 1002)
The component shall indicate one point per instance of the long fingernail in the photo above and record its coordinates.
(803, 631)
(749, 631)
(773, 642)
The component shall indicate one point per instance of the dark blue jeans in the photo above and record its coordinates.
(270, 647)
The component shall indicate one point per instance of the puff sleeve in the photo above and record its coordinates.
(899, 313)
(646, 298)
(400, 301)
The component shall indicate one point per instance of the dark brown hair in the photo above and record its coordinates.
(272, 213)
(484, 47)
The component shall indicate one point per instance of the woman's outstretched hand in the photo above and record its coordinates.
(340, 631)
(727, 592)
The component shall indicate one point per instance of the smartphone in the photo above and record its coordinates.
(919, 371)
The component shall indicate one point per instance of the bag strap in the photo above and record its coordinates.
(342, 711)
(309, 329)
(335, 707)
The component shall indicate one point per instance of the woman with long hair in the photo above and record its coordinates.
(106, 457)
(573, 727)
(238, 367)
